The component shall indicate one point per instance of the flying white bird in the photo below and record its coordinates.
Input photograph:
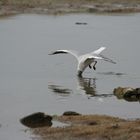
(85, 60)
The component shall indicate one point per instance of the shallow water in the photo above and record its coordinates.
(32, 81)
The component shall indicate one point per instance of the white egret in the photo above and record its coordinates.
(85, 60)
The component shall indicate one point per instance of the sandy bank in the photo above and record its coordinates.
(91, 127)
(8, 7)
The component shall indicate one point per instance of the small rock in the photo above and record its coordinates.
(115, 126)
(38, 119)
(70, 113)
(138, 90)
(92, 123)
(121, 91)
(127, 93)
(81, 23)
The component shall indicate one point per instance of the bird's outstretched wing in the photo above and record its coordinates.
(72, 52)
(96, 55)
(101, 57)
(107, 59)
(98, 51)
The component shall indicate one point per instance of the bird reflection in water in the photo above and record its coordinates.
(88, 85)
(60, 90)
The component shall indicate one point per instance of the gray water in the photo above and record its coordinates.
(32, 81)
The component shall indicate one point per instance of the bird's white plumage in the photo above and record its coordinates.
(98, 51)
(86, 59)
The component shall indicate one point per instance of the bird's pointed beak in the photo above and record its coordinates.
(50, 53)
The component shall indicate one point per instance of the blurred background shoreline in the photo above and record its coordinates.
(9, 7)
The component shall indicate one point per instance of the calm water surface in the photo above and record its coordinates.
(32, 81)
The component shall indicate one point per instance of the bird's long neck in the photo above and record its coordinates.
(79, 73)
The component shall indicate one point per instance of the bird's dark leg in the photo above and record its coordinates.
(94, 65)
(90, 66)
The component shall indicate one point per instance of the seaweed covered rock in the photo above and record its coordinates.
(38, 119)
(127, 93)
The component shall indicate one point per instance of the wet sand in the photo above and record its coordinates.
(91, 127)
(68, 6)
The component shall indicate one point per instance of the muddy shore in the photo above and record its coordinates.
(90, 127)
(8, 7)
(74, 126)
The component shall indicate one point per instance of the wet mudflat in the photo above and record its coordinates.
(33, 81)
(91, 127)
